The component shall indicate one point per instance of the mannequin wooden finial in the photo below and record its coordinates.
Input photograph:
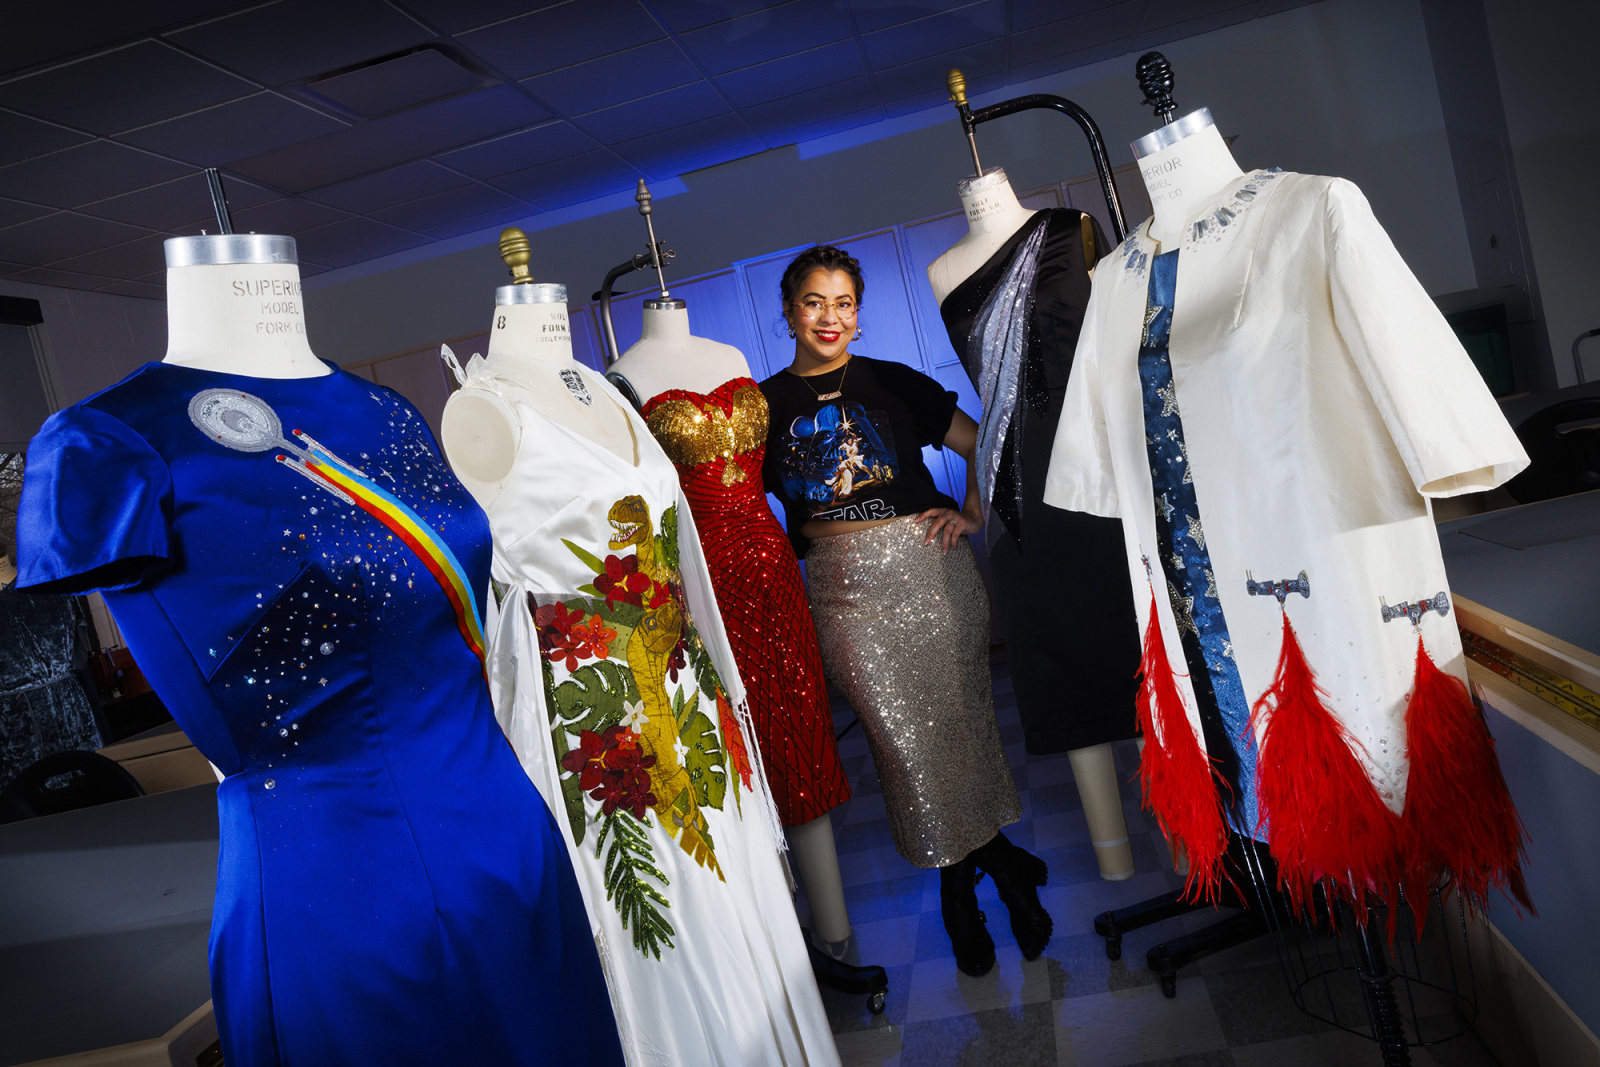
(515, 251)
(956, 82)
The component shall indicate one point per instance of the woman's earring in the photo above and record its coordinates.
(857, 337)
(791, 331)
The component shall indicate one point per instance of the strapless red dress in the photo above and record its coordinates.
(717, 440)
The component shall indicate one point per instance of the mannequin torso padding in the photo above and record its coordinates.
(530, 355)
(667, 356)
(993, 214)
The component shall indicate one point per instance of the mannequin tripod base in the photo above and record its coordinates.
(871, 980)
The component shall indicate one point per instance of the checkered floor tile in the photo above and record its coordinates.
(1072, 1005)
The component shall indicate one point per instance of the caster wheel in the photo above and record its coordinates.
(875, 1003)
(1169, 986)
(1113, 948)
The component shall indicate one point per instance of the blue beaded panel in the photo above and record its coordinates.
(1181, 542)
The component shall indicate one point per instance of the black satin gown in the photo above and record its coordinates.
(1060, 577)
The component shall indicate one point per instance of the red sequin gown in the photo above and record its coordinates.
(717, 440)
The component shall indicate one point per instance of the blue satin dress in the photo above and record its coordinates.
(300, 576)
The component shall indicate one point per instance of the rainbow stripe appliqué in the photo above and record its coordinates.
(345, 481)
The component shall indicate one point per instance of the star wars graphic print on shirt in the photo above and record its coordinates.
(838, 461)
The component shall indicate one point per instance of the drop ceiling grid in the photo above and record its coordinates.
(100, 149)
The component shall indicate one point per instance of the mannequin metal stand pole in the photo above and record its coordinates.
(653, 256)
(1377, 985)
(970, 119)
(219, 201)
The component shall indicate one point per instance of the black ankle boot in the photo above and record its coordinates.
(1017, 875)
(958, 902)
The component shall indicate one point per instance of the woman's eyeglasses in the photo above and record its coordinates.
(813, 309)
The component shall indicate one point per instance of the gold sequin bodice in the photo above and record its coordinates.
(695, 429)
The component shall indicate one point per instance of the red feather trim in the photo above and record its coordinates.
(1324, 819)
(1459, 816)
(1175, 772)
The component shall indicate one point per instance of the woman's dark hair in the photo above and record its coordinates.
(820, 257)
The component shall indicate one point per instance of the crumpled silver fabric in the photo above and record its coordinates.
(904, 632)
(1000, 335)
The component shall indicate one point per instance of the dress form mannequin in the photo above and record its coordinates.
(1183, 163)
(994, 214)
(234, 305)
(667, 356)
(530, 349)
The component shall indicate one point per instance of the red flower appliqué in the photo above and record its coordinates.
(564, 636)
(622, 581)
(613, 769)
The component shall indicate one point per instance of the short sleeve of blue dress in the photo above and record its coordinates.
(299, 576)
(95, 506)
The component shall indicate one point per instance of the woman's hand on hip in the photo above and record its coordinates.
(947, 525)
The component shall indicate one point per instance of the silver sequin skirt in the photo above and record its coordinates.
(904, 631)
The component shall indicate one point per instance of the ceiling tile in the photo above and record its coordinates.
(810, 110)
(123, 88)
(24, 138)
(681, 15)
(689, 103)
(177, 203)
(375, 251)
(64, 279)
(60, 235)
(1026, 14)
(294, 39)
(621, 76)
(131, 259)
(562, 35)
(88, 172)
(456, 16)
(393, 139)
(1076, 34)
(441, 208)
(229, 131)
(515, 151)
(15, 211)
(388, 187)
(833, 123)
(564, 181)
(881, 14)
(38, 33)
(291, 216)
(690, 146)
(792, 74)
(342, 236)
(936, 34)
(406, 80)
(136, 288)
(495, 219)
(767, 34)
(927, 76)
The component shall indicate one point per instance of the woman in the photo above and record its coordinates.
(897, 597)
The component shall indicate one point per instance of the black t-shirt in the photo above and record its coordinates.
(858, 456)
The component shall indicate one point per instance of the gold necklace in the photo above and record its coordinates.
(838, 390)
